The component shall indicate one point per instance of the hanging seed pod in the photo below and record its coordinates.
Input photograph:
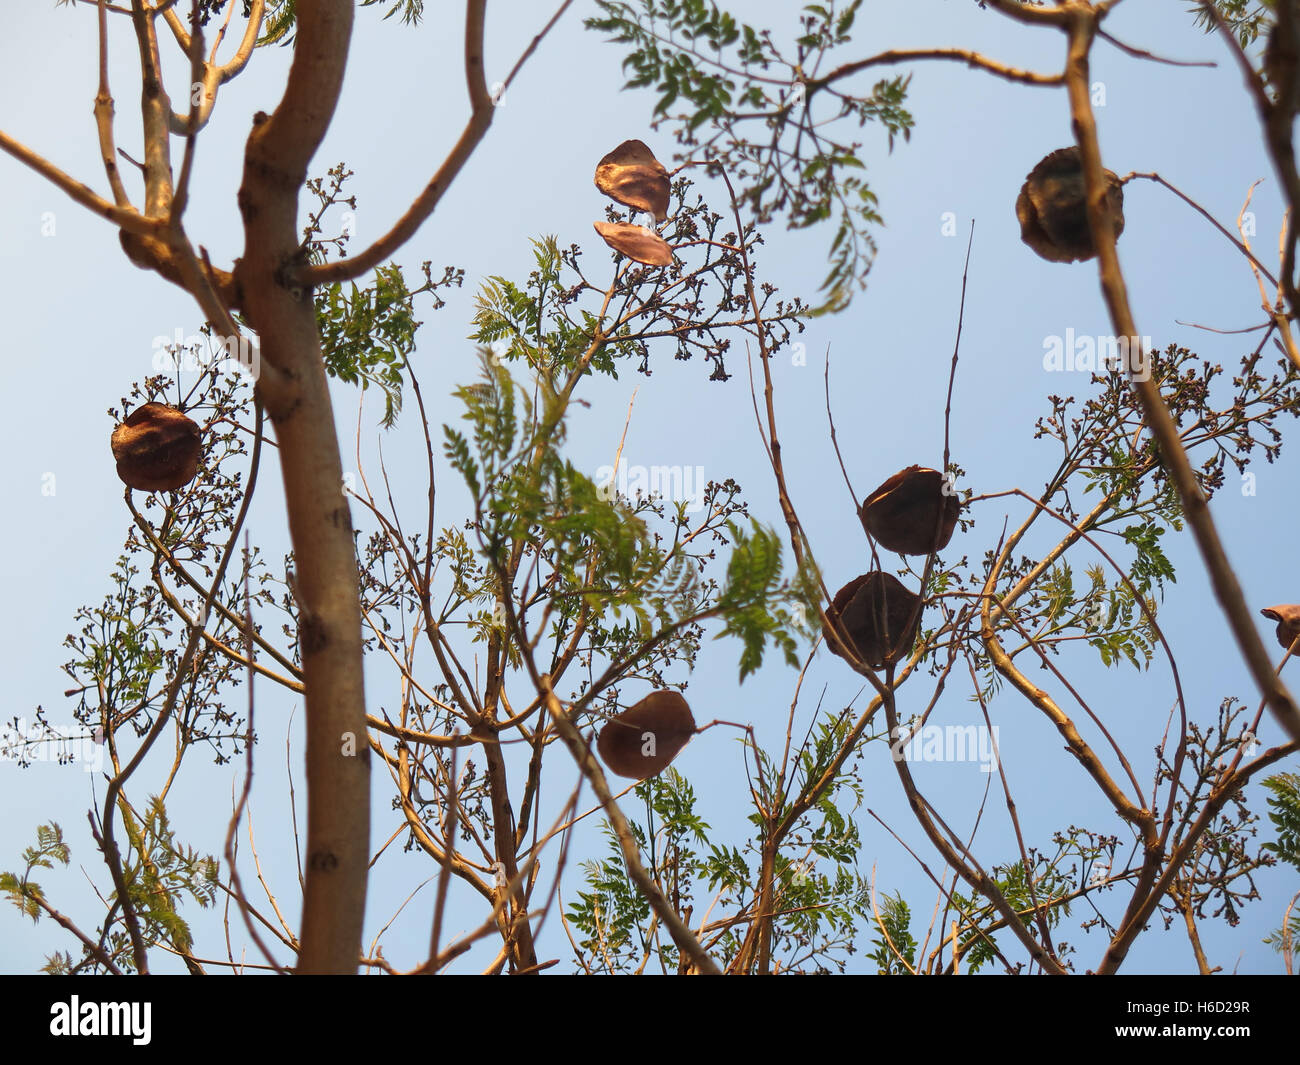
(641, 742)
(881, 616)
(1287, 616)
(910, 513)
(1052, 212)
(157, 448)
(633, 176)
(636, 242)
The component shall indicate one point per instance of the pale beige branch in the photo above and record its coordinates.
(1082, 26)
(482, 107)
(126, 218)
(960, 55)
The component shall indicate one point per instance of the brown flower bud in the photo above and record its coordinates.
(911, 513)
(157, 448)
(880, 615)
(641, 742)
(1052, 208)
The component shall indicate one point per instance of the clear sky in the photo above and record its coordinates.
(81, 322)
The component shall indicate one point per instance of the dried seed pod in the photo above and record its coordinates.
(1287, 616)
(641, 742)
(1052, 208)
(911, 513)
(157, 448)
(633, 176)
(636, 242)
(880, 615)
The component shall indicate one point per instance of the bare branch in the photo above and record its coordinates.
(1141, 53)
(1040, 16)
(126, 218)
(481, 112)
(1082, 25)
(961, 55)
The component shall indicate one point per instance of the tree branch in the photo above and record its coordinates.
(1082, 21)
(279, 151)
(126, 218)
(482, 109)
(961, 55)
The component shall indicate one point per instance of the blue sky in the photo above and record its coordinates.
(82, 320)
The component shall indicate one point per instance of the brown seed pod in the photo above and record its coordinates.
(1287, 616)
(641, 742)
(1052, 212)
(157, 448)
(882, 618)
(633, 176)
(636, 242)
(910, 513)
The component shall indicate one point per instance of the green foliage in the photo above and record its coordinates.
(601, 560)
(611, 914)
(820, 910)
(161, 872)
(817, 787)
(816, 909)
(894, 950)
(604, 562)
(410, 10)
(1041, 893)
(674, 72)
(158, 873)
(761, 112)
(24, 892)
(1285, 815)
(1150, 565)
(815, 901)
(1248, 19)
(561, 322)
(754, 601)
(279, 22)
(1280, 940)
(1108, 615)
(281, 19)
(1122, 629)
(124, 655)
(367, 334)
(534, 323)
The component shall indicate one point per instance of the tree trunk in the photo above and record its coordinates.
(297, 400)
